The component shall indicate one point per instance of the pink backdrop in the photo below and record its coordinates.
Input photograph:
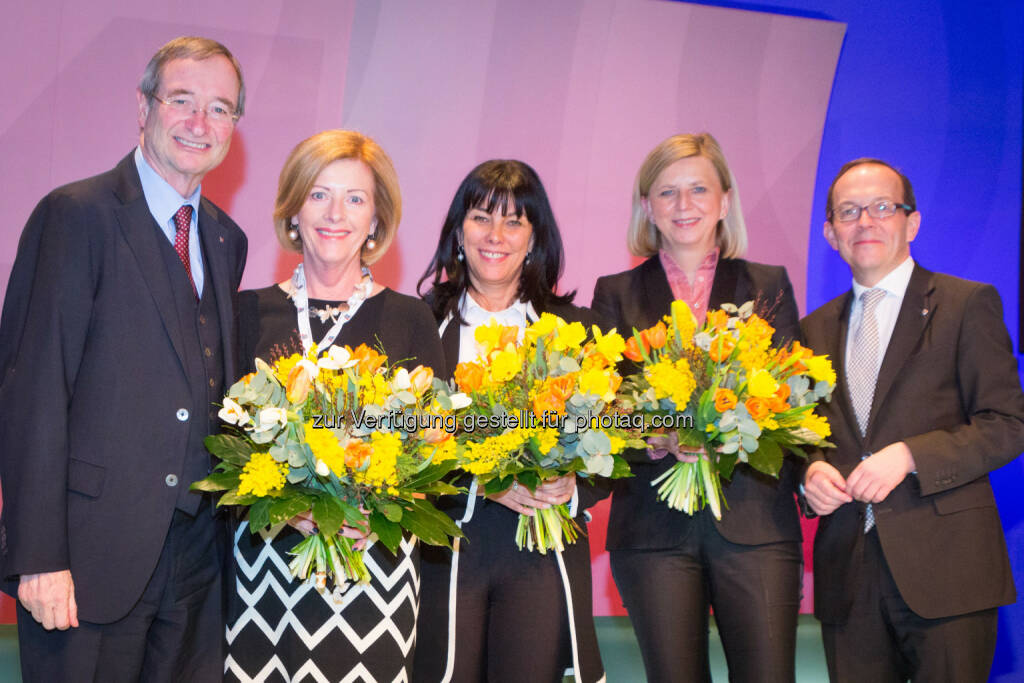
(580, 89)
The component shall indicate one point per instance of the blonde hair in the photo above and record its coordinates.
(310, 157)
(643, 238)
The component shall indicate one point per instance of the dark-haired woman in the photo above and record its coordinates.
(669, 566)
(489, 611)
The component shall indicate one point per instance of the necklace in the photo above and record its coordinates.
(339, 315)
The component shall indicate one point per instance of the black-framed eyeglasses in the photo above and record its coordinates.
(186, 106)
(847, 212)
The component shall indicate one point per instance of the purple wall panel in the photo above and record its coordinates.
(580, 89)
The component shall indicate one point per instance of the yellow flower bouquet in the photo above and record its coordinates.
(542, 408)
(344, 437)
(726, 390)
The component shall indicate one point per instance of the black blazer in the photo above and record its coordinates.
(948, 387)
(761, 509)
(93, 387)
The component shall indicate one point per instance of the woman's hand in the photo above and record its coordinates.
(518, 498)
(304, 524)
(660, 446)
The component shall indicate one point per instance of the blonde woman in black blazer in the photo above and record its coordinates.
(670, 567)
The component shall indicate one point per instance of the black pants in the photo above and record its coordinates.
(511, 619)
(902, 645)
(174, 633)
(754, 590)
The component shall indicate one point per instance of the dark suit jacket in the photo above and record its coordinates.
(761, 508)
(948, 387)
(92, 384)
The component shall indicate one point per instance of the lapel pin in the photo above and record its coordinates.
(924, 311)
(222, 242)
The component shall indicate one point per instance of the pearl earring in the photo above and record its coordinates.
(293, 233)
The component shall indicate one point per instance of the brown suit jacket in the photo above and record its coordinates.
(948, 387)
(761, 508)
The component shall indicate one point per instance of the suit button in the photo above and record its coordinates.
(171, 480)
(212, 382)
(182, 414)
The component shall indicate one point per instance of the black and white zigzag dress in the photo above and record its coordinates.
(280, 629)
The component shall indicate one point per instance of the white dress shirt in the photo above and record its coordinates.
(888, 309)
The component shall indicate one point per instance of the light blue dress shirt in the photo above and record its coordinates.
(163, 202)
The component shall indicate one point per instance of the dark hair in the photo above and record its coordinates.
(908, 190)
(498, 183)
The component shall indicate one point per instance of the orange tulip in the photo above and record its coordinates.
(717, 319)
(298, 384)
(247, 378)
(435, 435)
(509, 335)
(420, 379)
(656, 336)
(725, 400)
(757, 407)
(721, 347)
(632, 350)
(469, 376)
(562, 387)
(778, 402)
(545, 401)
(356, 453)
(367, 360)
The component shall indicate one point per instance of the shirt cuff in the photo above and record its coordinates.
(574, 502)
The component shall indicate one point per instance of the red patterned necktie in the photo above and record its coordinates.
(182, 221)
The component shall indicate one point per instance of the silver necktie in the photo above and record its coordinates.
(862, 369)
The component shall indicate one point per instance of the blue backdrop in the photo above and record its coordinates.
(936, 89)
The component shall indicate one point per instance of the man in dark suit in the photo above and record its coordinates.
(910, 562)
(117, 334)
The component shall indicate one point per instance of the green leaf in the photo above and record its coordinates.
(229, 448)
(259, 514)
(392, 511)
(232, 498)
(726, 464)
(621, 468)
(428, 528)
(767, 458)
(328, 514)
(389, 533)
(529, 479)
(218, 481)
(429, 474)
(287, 507)
(497, 485)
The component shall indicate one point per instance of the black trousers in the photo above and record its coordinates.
(174, 633)
(902, 645)
(754, 590)
(511, 620)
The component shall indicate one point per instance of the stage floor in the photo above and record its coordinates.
(618, 650)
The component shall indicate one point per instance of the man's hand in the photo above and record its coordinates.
(881, 472)
(824, 488)
(552, 492)
(50, 597)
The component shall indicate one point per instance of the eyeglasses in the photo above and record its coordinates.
(882, 208)
(186, 106)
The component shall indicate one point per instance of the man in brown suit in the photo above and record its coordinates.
(910, 562)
